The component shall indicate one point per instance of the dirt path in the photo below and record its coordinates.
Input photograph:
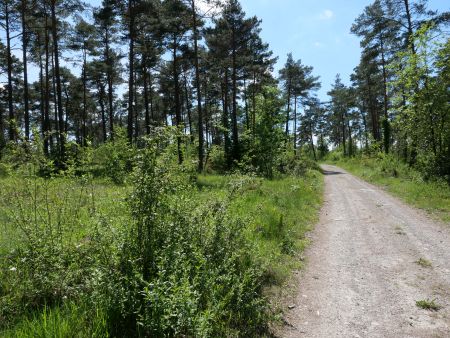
(362, 279)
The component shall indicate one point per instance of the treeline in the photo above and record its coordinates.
(140, 64)
(76, 74)
(398, 101)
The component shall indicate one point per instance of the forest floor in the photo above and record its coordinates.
(376, 268)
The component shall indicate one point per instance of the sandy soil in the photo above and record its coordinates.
(362, 277)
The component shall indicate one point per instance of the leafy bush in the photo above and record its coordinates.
(295, 164)
(15, 154)
(4, 170)
(335, 156)
(113, 159)
(388, 165)
(216, 162)
(433, 166)
(186, 268)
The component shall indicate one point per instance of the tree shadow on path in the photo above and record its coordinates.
(331, 172)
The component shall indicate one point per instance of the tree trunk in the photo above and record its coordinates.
(25, 71)
(410, 26)
(11, 122)
(152, 109)
(177, 97)
(109, 79)
(226, 126)
(62, 140)
(102, 110)
(135, 111)
(373, 112)
(55, 125)
(48, 138)
(146, 101)
(199, 93)
(366, 138)
(84, 80)
(254, 107)
(66, 106)
(207, 129)
(295, 124)
(42, 94)
(188, 108)
(131, 70)
(235, 136)
(288, 113)
(311, 139)
(343, 133)
(247, 118)
(350, 142)
(413, 151)
(386, 126)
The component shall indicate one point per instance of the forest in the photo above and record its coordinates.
(158, 176)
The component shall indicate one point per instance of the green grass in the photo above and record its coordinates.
(428, 305)
(279, 211)
(69, 320)
(23, 200)
(403, 182)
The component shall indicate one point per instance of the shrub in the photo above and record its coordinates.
(215, 161)
(113, 159)
(295, 164)
(5, 170)
(185, 269)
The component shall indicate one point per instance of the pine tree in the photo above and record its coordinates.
(83, 40)
(107, 25)
(379, 40)
(341, 97)
(287, 74)
(23, 9)
(176, 18)
(8, 21)
(297, 81)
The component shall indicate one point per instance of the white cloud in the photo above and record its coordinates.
(318, 44)
(326, 14)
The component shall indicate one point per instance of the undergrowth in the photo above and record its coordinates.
(160, 252)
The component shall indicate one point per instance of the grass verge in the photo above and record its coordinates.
(279, 213)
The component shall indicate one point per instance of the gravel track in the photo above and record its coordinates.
(362, 278)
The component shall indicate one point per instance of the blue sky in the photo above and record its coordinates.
(315, 31)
